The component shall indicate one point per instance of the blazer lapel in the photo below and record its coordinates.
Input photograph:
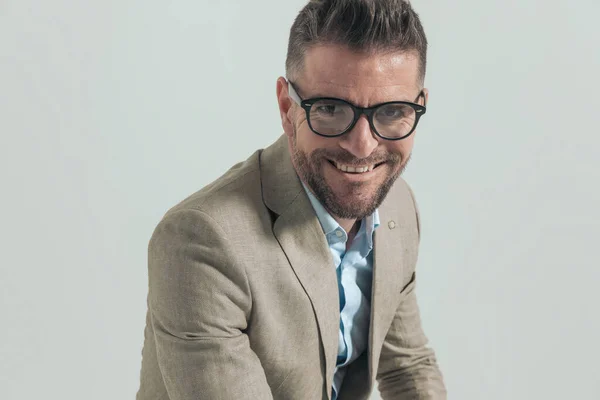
(301, 237)
(388, 266)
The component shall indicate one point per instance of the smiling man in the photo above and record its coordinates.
(293, 275)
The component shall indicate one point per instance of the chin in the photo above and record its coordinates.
(352, 206)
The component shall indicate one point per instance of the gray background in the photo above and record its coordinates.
(113, 111)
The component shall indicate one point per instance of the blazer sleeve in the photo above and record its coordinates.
(408, 369)
(199, 302)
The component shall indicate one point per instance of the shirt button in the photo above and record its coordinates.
(339, 233)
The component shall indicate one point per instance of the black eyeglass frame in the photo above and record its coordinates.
(306, 104)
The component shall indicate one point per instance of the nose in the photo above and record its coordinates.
(360, 141)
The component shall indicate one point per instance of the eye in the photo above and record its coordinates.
(327, 109)
(392, 112)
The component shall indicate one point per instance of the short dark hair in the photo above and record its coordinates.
(371, 26)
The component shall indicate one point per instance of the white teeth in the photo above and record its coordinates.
(361, 170)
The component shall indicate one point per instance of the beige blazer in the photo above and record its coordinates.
(243, 299)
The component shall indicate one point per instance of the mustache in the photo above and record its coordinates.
(344, 157)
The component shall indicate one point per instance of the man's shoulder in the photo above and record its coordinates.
(401, 187)
(236, 191)
(400, 196)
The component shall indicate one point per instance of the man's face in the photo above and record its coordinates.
(364, 80)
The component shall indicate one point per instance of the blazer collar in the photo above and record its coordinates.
(280, 183)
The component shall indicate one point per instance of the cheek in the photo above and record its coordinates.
(402, 147)
(308, 141)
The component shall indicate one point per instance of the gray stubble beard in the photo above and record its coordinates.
(323, 192)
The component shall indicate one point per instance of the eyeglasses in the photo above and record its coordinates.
(332, 117)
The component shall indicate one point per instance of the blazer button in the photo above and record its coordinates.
(391, 224)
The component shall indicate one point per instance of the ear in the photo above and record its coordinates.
(426, 94)
(285, 106)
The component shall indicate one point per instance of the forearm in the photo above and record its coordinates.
(408, 369)
(415, 377)
(210, 368)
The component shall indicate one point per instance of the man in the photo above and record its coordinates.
(292, 276)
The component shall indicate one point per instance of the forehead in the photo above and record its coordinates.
(364, 78)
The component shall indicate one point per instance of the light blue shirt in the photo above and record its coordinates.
(354, 270)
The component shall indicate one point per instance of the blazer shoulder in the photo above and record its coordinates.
(415, 206)
(401, 197)
(227, 196)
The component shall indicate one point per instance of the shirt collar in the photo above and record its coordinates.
(330, 225)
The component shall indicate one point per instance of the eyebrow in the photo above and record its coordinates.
(324, 95)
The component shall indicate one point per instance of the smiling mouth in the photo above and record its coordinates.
(355, 170)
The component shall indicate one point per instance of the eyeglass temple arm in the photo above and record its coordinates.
(293, 94)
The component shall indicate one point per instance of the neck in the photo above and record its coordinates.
(349, 225)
